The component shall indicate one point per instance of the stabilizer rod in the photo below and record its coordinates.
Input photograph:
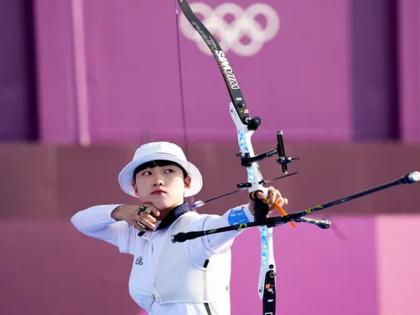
(297, 216)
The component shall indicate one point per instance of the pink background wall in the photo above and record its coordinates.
(397, 241)
(318, 273)
(48, 267)
(73, 274)
(369, 267)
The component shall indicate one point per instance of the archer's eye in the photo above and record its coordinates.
(146, 173)
(168, 171)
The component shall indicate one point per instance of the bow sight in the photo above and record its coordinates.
(283, 159)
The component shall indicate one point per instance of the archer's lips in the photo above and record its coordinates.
(158, 192)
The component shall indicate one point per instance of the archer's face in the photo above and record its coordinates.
(162, 186)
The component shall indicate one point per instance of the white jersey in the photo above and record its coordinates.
(154, 258)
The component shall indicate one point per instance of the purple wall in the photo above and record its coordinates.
(18, 119)
(328, 73)
(374, 69)
(409, 52)
(295, 81)
(56, 86)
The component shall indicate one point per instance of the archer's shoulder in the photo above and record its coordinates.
(195, 216)
(198, 220)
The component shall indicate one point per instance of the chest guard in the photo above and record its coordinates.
(179, 280)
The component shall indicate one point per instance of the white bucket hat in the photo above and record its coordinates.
(160, 151)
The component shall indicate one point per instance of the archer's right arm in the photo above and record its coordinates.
(100, 222)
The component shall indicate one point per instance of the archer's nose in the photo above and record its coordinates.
(158, 182)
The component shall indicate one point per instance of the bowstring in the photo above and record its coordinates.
(180, 80)
(181, 87)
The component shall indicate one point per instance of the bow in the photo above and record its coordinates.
(246, 126)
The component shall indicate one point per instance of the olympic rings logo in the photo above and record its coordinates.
(236, 29)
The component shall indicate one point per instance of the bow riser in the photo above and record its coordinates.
(245, 147)
(267, 264)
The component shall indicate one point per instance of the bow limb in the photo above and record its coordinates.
(229, 76)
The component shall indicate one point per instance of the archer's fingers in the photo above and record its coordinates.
(145, 218)
(274, 197)
(145, 226)
(140, 226)
(155, 212)
(258, 195)
(149, 209)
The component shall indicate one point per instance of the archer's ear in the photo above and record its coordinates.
(187, 181)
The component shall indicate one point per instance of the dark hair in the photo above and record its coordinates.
(155, 163)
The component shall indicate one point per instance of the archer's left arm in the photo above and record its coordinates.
(218, 243)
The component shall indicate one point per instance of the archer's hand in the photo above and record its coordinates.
(142, 217)
(272, 197)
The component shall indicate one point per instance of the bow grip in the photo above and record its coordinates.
(260, 207)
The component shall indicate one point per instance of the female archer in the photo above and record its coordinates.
(170, 278)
